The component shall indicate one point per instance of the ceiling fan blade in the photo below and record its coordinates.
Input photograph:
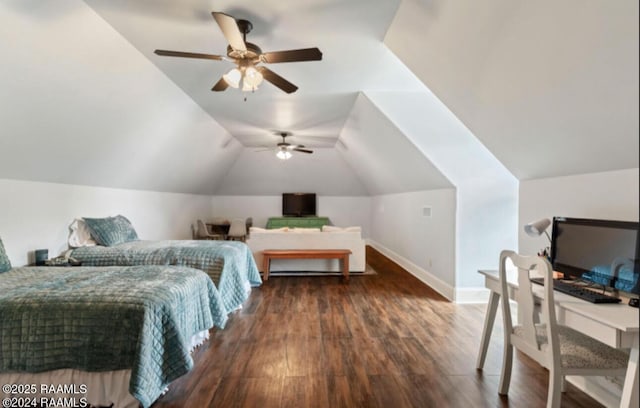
(220, 86)
(303, 150)
(277, 80)
(306, 54)
(167, 53)
(230, 30)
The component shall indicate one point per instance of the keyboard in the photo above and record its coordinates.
(578, 291)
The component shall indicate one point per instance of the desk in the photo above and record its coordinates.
(614, 324)
(222, 227)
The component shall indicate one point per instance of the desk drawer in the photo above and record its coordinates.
(599, 331)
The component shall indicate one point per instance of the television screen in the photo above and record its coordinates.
(298, 204)
(599, 251)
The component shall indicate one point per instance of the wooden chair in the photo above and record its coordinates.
(560, 349)
(203, 232)
(237, 230)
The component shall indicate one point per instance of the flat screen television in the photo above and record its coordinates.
(598, 251)
(298, 204)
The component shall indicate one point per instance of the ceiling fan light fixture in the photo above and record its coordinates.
(233, 77)
(246, 87)
(283, 154)
(252, 78)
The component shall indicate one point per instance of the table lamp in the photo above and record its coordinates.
(534, 229)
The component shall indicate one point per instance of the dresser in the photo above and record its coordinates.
(297, 222)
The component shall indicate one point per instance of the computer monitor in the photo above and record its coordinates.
(599, 251)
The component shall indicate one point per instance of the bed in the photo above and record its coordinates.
(113, 241)
(229, 264)
(104, 326)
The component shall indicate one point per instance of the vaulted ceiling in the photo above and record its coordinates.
(550, 89)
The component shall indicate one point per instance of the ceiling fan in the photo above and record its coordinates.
(284, 149)
(247, 74)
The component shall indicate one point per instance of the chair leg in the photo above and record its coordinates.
(554, 395)
(505, 375)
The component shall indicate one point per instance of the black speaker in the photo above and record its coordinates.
(41, 256)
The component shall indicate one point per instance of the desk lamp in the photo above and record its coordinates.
(535, 229)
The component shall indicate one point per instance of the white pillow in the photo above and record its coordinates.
(331, 228)
(80, 235)
(281, 229)
(260, 230)
(304, 230)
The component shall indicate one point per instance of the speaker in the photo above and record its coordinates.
(41, 256)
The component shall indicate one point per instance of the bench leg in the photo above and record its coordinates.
(345, 268)
(266, 261)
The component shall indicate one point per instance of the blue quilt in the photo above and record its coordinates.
(230, 264)
(103, 319)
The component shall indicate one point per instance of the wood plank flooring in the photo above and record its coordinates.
(384, 340)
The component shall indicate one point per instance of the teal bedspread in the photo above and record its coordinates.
(230, 264)
(101, 319)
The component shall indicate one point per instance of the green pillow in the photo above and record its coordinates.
(111, 231)
(5, 264)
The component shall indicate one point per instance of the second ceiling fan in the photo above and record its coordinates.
(248, 74)
(284, 149)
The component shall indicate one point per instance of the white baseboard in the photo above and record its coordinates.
(423, 275)
(472, 295)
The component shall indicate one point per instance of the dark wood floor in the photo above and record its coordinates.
(383, 340)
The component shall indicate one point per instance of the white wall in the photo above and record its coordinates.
(426, 246)
(382, 156)
(487, 193)
(80, 105)
(342, 211)
(610, 195)
(36, 215)
(257, 172)
(531, 75)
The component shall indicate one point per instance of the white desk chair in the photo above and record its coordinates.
(203, 232)
(237, 230)
(560, 349)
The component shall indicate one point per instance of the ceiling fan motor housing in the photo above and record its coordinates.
(253, 52)
(244, 26)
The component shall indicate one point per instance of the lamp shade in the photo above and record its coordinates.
(536, 228)
(233, 77)
(283, 154)
(252, 78)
